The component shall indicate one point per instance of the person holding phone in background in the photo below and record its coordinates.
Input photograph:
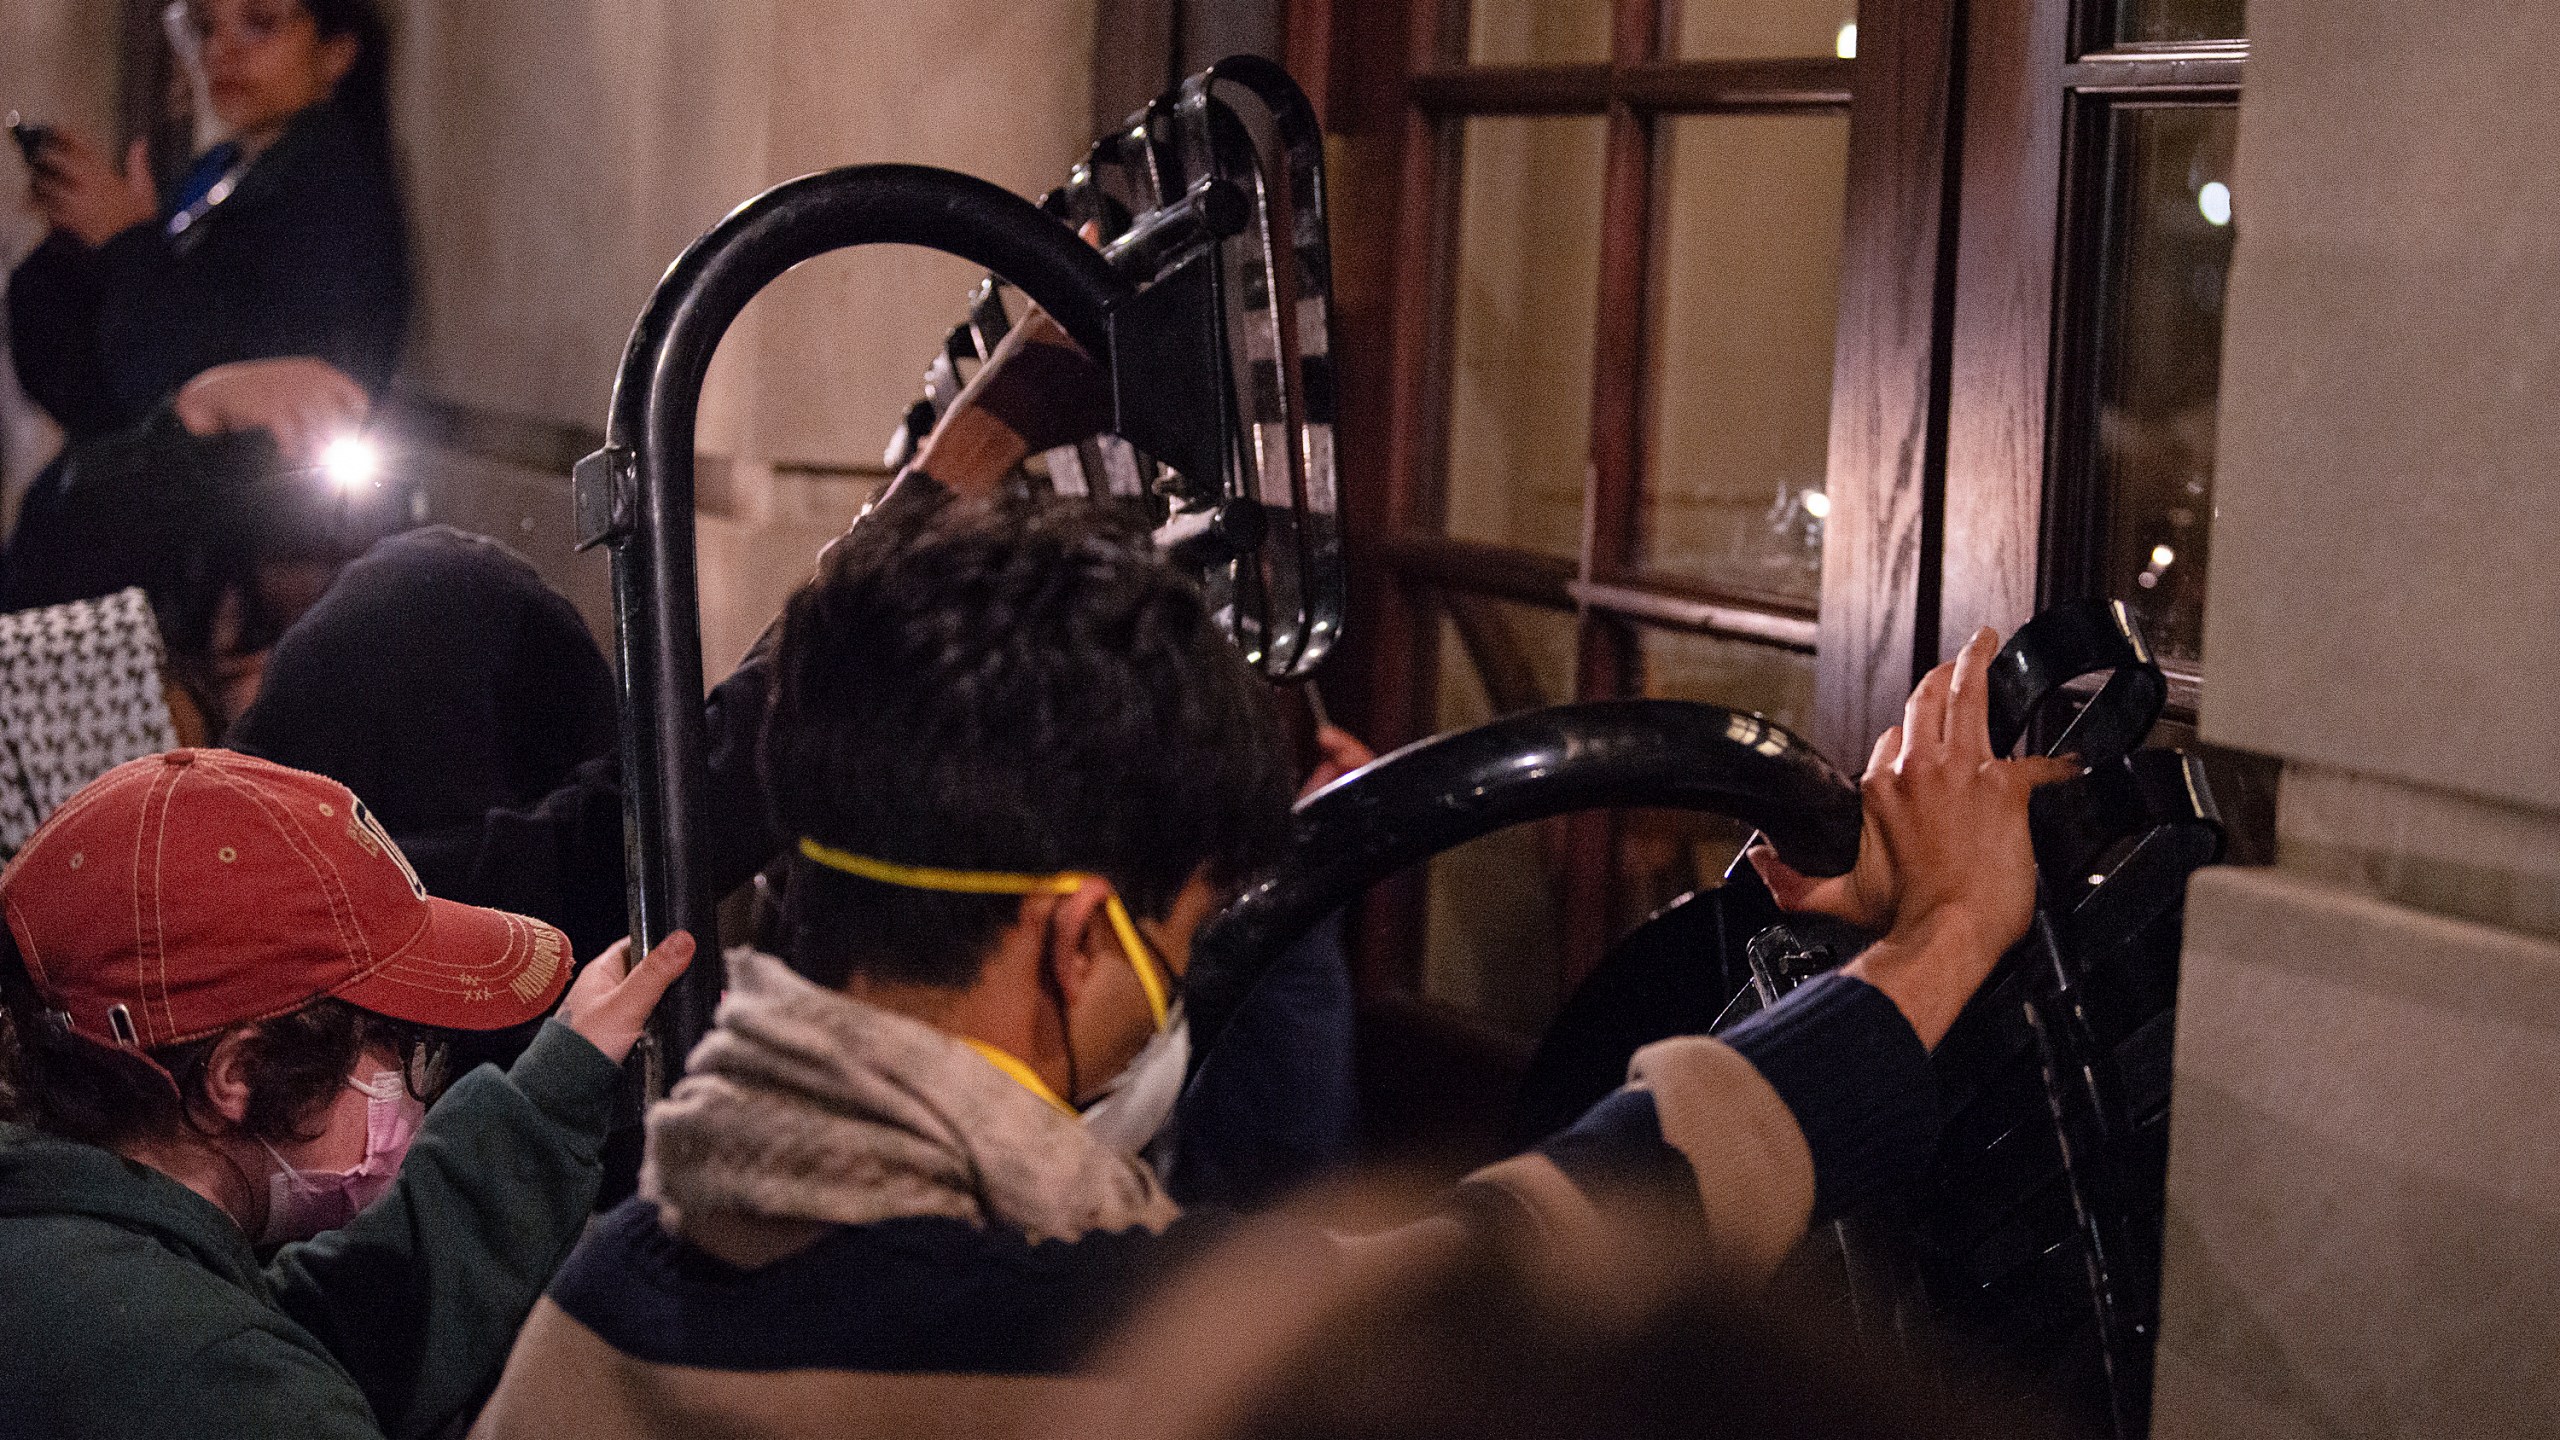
(287, 238)
(267, 291)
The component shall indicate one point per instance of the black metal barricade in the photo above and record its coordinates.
(1262, 529)
(2037, 1232)
(1210, 326)
(1206, 304)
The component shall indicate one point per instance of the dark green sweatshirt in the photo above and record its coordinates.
(131, 1306)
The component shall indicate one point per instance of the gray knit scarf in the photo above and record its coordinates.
(804, 1103)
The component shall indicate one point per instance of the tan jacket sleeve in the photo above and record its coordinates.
(1754, 1172)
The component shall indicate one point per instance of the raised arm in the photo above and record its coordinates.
(1819, 1103)
(421, 1295)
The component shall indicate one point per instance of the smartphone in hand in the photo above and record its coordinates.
(31, 138)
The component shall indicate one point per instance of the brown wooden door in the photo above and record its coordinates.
(1703, 348)
(1641, 349)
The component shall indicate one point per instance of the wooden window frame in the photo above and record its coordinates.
(2042, 80)
(1395, 99)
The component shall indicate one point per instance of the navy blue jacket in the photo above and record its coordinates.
(922, 1326)
(308, 256)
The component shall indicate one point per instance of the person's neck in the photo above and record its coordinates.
(254, 143)
(1005, 1009)
(209, 1168)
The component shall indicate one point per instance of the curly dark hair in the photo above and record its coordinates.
(1015, 684)
(63, 1084)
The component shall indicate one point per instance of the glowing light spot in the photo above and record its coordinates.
(2215, 201)
(1846, 47)
(351, 462)
(1817, 505)
(2162, 557)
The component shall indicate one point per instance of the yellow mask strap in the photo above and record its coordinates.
(1001, 882)
(1023, 1075)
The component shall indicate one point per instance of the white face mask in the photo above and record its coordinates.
(303, 1203)
(1140, 1099)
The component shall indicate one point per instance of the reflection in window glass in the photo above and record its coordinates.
(1527, 282)
(2160, 370)
(1737, 674)
(1746, 300)
(1537, 32)
(1663, 855)
(2141, 21)
(1493, 941)
(1761, 29)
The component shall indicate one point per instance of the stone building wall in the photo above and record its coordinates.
(2364, 1232)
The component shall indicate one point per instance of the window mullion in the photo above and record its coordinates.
(1607, 646)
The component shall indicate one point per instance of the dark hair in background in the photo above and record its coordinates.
(364, 92)
(57, 1082)
(1015, 685)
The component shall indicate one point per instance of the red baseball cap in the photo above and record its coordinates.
(182, 894)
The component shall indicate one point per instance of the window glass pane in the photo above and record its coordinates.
(1736, 674)
(1663, 855)
(1746, 299)
(2156, 20)
(1527, 279)
(1493, 939)
(1761, 29)
(1537, 32)
(2160, 363)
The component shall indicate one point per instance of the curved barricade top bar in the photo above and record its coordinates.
(637, 495)
(2060, 645)
(1429, 796)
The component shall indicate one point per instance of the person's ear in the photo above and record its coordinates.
(1078, 931)
(226, 1076)
(337, 57)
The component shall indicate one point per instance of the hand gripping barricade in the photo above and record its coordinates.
(2038, 1229)
(1212, 331)
(1262, 528)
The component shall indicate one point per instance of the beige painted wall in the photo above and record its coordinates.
(2365, 1147)
(57, 66)
(561, 155)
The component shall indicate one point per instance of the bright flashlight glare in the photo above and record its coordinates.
(2162, 557)
(2215, 201)
(351, 462)
(1817, 505)
(1846, 47)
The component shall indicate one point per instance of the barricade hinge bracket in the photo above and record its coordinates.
(606, 491)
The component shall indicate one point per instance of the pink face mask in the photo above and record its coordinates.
(302, 1203)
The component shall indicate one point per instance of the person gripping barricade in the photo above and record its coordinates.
(1277, 1110)
(225, 1208)
(1023, 766)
